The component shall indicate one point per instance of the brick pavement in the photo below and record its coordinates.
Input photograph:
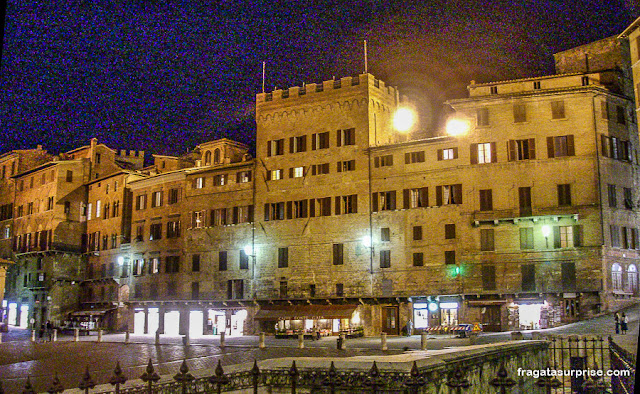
(20, 358)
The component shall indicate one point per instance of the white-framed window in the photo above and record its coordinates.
(632, 278)
(154, 265)
(566, 236)
(298, 172)
(198, 219)
(616, 277)
(220, 180)
(448, 154)
(274, 175)
(98, 208)
(89, 207)
(243, 177)
(199, 182)
(156, 199)
(484, 153)
(6, 233)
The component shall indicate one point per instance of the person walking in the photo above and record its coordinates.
(616, 318)
(624, 321)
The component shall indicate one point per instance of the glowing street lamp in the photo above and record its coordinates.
(404, 119)
(120, 261)
(457, 127)
(366, 241)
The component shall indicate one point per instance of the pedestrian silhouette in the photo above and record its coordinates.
(616, 317)
(624, 320)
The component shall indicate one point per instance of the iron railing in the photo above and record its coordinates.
(622, 360)
(294, 380)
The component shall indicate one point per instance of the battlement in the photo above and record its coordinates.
(132, 153)
(315, 89)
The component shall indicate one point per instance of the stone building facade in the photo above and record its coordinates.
(528, 217)
(49, 228)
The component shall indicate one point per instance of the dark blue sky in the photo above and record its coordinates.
(165, 76)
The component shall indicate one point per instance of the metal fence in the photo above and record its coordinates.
(487, 372)
(591, 353)
(295, 380)
(622, 360)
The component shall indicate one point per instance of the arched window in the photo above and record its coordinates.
(207, 158)
(616, 277)
(216, 156)
(632, 278)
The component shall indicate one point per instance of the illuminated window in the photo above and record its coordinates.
(484, 153)
(616, 277)
(296, 172)
(274, 175)
(566, 236)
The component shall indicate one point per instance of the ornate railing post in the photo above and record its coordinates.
(255, 376)
(415, 380)
(56, 386)
(502, 380)
(374, 380)
(28, 389)
(457, 381)
(219, 379)
(150, 376)
(548, 382)
(118, 377)
(332, 380)
(184, 377)
(293, 376)
(86, 383)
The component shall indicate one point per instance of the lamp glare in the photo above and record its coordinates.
(456, 127)
(403, 119)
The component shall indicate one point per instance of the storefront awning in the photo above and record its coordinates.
(299, 312)
(486, 302)
(91, 312)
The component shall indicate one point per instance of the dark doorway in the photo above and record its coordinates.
(390, 324)
(491, 318)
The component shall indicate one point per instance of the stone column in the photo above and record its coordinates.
(205, 320)
(262, 345)
(76, 334)
(222, 334)
(146, 320)
(127, 339)
(383, 341)
(33, 335)
(184, 321)
(300, 341)
(55, 335)
(423, 341)
(161, 312)
(99, 335)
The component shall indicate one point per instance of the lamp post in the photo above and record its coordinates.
(546, 231)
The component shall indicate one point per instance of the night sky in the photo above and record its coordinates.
(165, 76)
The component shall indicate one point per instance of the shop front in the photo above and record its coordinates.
(436, 312)
(230, 321)
(324, 320)
(89, 319)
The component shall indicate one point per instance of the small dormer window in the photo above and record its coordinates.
(216, 156)
(536, 85)
(207, 158)
(494, 89)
